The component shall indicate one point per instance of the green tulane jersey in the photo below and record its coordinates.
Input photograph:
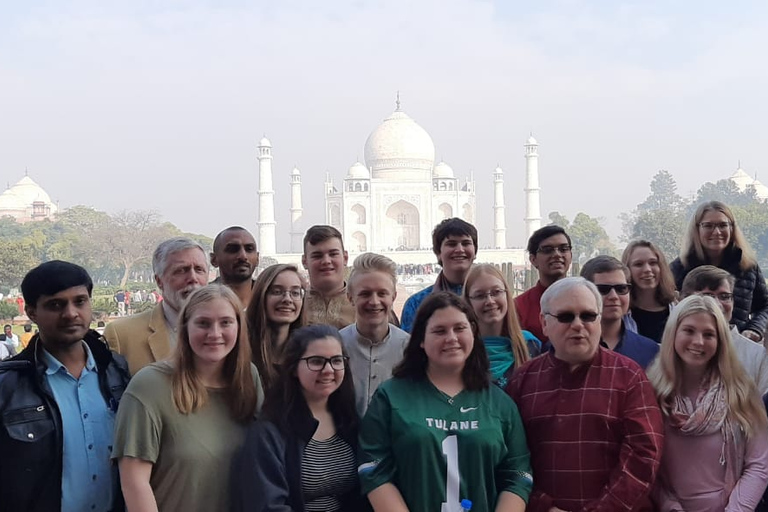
(438, 451)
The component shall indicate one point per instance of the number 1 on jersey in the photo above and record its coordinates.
(452, 478)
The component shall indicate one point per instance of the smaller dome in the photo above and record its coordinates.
(442, 170)
(531, 141)
(264, 142)
(761, 191)
(295, 172)
(358, 171)
(498, 170)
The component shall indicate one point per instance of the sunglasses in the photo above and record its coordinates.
(621, 289)
(567, 318)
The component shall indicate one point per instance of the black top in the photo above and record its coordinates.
(650, 323)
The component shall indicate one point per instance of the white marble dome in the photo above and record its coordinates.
(400, 149)
(358, 171)
(264, 142)
(26, 200)
(531, 141)
(443, 170)
(10, 201)
(30, 192)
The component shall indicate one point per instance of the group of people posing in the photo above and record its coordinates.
(636, 386)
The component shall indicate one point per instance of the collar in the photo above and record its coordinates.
(369, 342)
(622, 336)
(566, 367)
(54, 366)
(169, 312)
(331, 295)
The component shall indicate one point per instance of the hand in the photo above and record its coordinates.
(754, 336)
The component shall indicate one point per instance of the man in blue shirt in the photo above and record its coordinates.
(611, 277)
(58, 400)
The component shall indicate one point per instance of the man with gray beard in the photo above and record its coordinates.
(180, 266)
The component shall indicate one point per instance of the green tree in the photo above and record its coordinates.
(558, 219)
(16, 259)
(661, 218)
(588, 236)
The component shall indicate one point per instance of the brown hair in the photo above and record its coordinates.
(510, 328)
(665, 290)
(261, 330)
(705, 277)
(189, 393)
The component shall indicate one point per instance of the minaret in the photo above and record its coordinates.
(297, 234)
(532, 199)
(266, 201)
(499, 222)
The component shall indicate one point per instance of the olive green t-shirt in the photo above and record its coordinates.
(191, 454)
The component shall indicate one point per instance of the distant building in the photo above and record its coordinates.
(744, 180)
(394, 200)
(26, 201)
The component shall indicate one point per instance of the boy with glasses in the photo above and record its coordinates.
(549, 251)
(718, 284)
(611, 277)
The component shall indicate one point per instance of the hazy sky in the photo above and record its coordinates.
(160, 105)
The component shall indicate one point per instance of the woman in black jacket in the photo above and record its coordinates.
(300, 456)
(713, 238)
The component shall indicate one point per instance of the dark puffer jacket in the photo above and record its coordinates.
(750, 294)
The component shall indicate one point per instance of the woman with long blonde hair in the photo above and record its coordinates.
(714, 238)
(276, 310)
(653, 288)
(507, 345)
(714, 418)
(181, 421)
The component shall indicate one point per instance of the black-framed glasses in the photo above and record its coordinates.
(494, 294)
(621, 289)
(722, 297)
(567, 318)
(293, 293)
(550, 249)
(317, 363)
(711, 226)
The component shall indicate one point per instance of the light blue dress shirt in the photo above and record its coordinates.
(89, 480)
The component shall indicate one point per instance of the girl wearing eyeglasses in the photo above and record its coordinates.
(713, 238)
(275, 311)
(300, 455)
(653, 289)
(508, 346)
(714, 419)
(181, 421)
(438, 432)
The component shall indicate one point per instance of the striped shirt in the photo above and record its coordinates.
(328, 471)
(595, 433)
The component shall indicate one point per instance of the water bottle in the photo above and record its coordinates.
(466, 505)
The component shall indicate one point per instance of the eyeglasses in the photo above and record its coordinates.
(493, 294)
(567, 318)
(711, 226)
(722, 297)
(550, 249)
(293, 293)
(317, 363)
(621, 289)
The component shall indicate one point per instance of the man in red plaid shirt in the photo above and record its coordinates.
(593, 426)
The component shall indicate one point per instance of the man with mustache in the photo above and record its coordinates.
(549, 251)
(236, 256)
(180, 266)
(58, 400)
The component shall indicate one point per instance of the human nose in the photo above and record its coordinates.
(70, 310)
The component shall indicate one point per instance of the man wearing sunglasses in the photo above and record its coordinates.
(593, 426)
(549, 251)
(611, 277)
(718, 284)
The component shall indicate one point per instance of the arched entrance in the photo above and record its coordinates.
(401, 226)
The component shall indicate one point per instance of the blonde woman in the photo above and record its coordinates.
(508, 346)
(714, 238)
(181, 421)
(653, 289)
(714, 418)
(275, 311)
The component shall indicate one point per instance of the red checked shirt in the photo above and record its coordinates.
(595, 434)
(528, 306)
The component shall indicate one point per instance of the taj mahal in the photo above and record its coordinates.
(391, 203)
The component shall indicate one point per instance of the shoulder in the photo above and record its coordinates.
(132, 322)
(416, 299)
(397, 334)
(151, 380)
(641, 340)
(619, 365)
(677, 266)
